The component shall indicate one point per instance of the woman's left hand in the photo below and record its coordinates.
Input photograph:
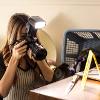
(30, 54)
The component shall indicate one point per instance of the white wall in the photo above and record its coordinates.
(60, 15)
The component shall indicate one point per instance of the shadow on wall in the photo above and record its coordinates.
(56, 29)
(47, 43)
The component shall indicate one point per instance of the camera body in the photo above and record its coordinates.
(38, 51)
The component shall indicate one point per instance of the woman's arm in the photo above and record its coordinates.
(8, 77)
(46, 66)
(6, 81)
(46, 69)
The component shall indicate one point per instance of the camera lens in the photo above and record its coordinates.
(41, 54)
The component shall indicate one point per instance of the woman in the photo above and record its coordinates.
(18, 69)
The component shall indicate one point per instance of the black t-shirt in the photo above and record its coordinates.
(2, 69)
(1, 98)
(2, 66)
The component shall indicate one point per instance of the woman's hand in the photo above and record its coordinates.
(30, 54)
(19, 50)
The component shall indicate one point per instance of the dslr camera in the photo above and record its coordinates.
(33, 24)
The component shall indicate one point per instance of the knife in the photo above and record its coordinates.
(72, 83)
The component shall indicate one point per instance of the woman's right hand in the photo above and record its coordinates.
(19, 50)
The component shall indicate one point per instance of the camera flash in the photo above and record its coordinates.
(37, 22)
